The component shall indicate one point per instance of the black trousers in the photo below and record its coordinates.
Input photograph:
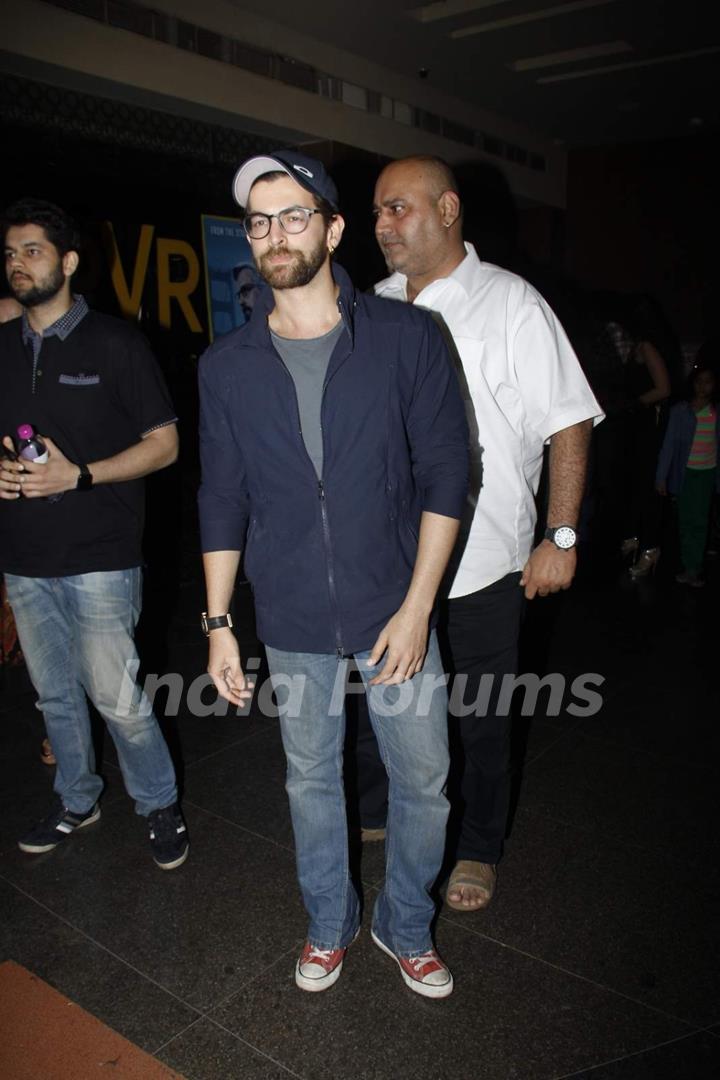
(479, 636)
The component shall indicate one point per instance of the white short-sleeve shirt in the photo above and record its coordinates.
(522, 383)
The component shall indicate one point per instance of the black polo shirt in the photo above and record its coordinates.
(95, 391)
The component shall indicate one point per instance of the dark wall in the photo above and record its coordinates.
(644, 218)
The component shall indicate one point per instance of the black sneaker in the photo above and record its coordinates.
(55, 828)
(168, 837)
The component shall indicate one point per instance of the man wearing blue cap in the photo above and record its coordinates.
(334, 452)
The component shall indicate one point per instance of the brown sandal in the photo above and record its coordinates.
(46, 755)
(473, 875)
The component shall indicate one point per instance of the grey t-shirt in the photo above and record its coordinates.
(307, 361)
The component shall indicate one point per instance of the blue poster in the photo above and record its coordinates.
(230, 276)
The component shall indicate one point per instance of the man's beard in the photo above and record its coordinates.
(44, 290)
(295, 274)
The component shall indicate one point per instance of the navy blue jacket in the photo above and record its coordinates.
(330, 561)
(677, 445)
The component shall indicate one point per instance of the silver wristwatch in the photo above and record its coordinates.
(563, 537)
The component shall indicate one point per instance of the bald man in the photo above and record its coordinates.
(523, 387)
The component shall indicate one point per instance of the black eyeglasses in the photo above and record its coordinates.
(293, 220)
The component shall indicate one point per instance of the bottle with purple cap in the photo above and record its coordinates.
(30, 445)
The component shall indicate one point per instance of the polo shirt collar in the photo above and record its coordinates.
(62, 327)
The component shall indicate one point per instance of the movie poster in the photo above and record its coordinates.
(230, 276)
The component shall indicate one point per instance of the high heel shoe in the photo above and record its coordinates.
(646, 563)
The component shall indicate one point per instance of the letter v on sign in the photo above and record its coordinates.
(129, 299)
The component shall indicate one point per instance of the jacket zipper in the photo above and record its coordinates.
(325, 523)
(330, 568)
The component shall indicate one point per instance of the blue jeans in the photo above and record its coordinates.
(410, 724)
(76, 634)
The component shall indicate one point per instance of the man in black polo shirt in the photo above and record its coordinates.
(71, 528)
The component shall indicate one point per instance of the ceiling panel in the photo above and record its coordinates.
(652, 67)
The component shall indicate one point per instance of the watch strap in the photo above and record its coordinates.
(215, 622)
(85, 479)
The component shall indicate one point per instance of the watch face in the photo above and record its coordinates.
(565, 537)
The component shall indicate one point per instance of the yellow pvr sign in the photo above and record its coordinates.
(129, 289)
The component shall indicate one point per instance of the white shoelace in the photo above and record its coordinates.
(321, 954)
(419, 962)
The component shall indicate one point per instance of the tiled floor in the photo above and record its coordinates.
(595, 961)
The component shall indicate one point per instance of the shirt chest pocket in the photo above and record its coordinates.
(80, 380)
(80, 400)
(493, 398)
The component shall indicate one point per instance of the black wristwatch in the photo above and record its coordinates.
(563, 536)
(215, 623)
(85, 479)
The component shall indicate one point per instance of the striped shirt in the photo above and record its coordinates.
(703, 452)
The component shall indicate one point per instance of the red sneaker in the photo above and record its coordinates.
(317, 969)
(425, 974)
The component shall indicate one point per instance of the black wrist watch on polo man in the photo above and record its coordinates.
(215, 622)
(85, 479)
(562, 536)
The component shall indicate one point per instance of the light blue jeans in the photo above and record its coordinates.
(76, 635)
(410, 723)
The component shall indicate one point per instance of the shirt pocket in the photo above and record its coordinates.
(79, 380)
(494, 397)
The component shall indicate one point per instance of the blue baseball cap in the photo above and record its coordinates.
(308, 172)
